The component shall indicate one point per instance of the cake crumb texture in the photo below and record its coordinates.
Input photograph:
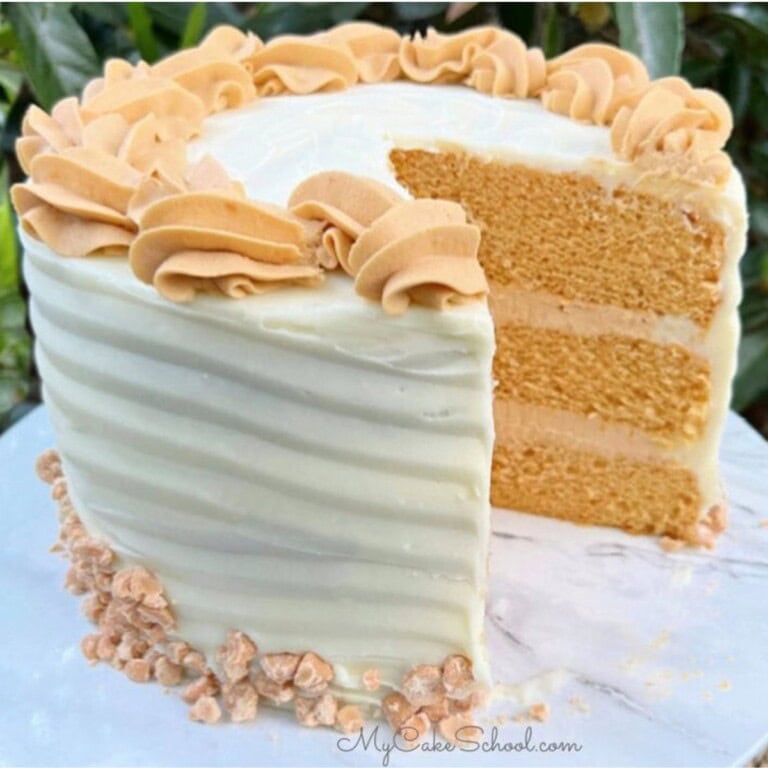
(566, 235)
(663, 390)
(554, 479)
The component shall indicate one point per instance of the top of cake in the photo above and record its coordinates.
(113, 171)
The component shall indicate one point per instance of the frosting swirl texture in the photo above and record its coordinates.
(591, 82)
(294, 64)
(508, 68)
(486, 58)
(213, 71)
(41, 132)
(344, 205)
(672, 126)
(420, 251)
(78, 196)
(373, 48)
(135, 92)
(217, 242)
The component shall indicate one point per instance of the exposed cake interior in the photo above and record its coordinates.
(612, 301)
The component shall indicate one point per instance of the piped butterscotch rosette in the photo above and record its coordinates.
(344, 206)
(591, 82)
(181, 89)
(217, 241)
(213, 71)
(420, 251)
(300, 65)
(489, 59)
(83, 178)
(374, 49)
(670, 127)
(398, 251)
(135, 92)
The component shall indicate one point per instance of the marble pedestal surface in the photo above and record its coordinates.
(644, 658)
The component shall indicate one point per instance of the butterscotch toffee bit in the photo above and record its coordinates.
(371, 679)
(134, 622)
(434, 694)
(669, 544)
(48, 466)
(205, 710)
(707, 529)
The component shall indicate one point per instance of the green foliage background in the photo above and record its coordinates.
(48, 51)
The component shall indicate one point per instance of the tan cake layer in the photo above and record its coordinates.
(661, 389)
(555, 479)
(622, 247)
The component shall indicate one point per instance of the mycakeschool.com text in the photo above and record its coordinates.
(470, 739)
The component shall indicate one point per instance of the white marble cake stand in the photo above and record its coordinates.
(644, 658)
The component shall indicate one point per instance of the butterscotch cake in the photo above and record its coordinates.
(286, 294)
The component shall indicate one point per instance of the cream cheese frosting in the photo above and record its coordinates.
(243, 449)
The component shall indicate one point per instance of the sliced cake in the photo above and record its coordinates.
(268, 355)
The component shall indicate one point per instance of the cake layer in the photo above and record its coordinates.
(299, 466)
(540, 453)
(567, 234)
(662, 390)
(556, 479)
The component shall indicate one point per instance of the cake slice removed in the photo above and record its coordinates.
(614, 292)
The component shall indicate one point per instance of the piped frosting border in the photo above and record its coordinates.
(97, 166)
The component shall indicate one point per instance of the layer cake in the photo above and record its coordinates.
(276, 417)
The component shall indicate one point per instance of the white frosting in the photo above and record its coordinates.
(273, 144)
(298, 465)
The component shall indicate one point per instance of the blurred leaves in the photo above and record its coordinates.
(58, 57)
(50, 50)
(194, 26)
(141, 27)
(271, 19)
(750, 384)
(552, 31)
(417, 11)
(655, 32)
(14, 339)
(727, 49)
(520, 18)
(594, 16)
